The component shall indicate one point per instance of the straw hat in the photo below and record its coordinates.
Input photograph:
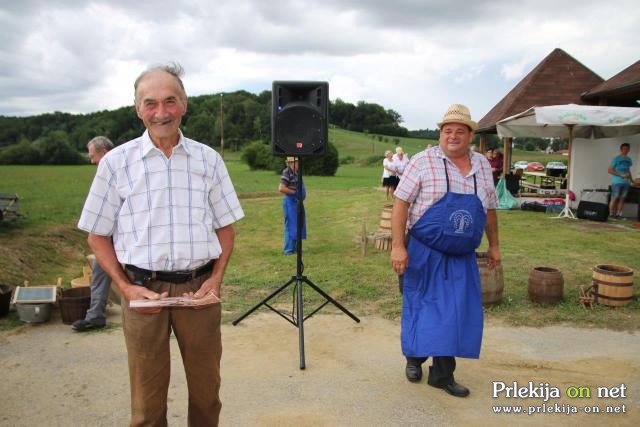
(458, 113)
(291, 159)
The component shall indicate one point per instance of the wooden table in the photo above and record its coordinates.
(541, 179)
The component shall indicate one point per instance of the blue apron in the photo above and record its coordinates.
(442, 296)
(290, 209)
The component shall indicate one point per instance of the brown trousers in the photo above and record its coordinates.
(147, 340)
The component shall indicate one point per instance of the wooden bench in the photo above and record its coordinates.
(9, 206)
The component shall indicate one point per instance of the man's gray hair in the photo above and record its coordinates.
(172, 68)
(101, 143)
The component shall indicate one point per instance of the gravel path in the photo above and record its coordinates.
(354, 376)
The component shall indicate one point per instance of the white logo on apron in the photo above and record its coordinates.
(461, 221)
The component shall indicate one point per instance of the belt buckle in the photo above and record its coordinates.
(142, 278)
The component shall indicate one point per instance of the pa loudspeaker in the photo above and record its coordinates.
(299, 116)
(593, 211)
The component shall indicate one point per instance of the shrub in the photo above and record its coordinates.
(326, 165)
(374, 159)
(23, 153)
(258, 156)
(55, 150)
(347, 160)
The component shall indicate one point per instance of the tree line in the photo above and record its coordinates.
(244, 117)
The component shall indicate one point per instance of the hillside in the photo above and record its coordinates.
(361, 146)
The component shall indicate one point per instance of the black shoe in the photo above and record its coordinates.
(85, 325)
(453, 389)
(413, 372)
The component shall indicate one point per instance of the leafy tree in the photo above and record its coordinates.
(425, 133)
(202, 128)
(247, 117)
(55, 149)
(491, 141)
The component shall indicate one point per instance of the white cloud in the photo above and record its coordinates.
(470, 73)
(514, 70)
(415, 57)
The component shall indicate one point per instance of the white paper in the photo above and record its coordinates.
(185, 301)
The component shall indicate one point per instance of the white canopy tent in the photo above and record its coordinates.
(580, 124)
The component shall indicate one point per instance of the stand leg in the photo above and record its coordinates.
(331, 300)
(300, 321)
(566, 212)
(264, 301)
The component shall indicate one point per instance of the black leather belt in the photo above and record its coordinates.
(143, 276)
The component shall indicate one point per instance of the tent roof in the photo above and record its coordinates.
(557, 79)
(622, 89)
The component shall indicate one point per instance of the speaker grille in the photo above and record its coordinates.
(299, 118)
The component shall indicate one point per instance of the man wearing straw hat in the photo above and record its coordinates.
(289, 187)
(446, 199)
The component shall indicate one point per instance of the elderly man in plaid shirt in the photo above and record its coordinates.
(169, 205)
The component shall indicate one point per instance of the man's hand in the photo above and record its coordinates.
(493, 257)
(134, 292)
(399, 259)
(210, 286)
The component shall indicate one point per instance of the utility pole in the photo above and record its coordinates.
(221, 129)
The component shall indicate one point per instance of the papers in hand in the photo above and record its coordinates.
(184, 301)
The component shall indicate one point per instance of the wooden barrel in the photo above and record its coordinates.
(5, 299)
(613, 285)
(385, 219)
(546, 285)
(74, 304)
(492, 280)
(80, 282)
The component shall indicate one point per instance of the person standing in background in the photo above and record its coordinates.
(401, 161)
(495, 160)
(289, 187)
(389, 173)
(100, 281)
(620, 169)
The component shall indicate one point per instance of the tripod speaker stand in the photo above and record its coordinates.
(297, 317)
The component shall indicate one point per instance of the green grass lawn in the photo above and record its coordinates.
(45, 245)
(360, 145)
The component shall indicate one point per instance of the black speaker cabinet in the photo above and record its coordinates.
(299, 117)
(593, 211)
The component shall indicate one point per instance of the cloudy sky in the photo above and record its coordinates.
(413, 56)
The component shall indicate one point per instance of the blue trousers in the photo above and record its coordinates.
(289, 243)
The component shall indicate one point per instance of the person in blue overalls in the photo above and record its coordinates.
(446, 199)
(288, 187)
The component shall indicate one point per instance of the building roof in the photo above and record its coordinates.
(622, 90)
(558, 79)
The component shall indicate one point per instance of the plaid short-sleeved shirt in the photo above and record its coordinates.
(424, 182)
(289, 178)
(162, 213)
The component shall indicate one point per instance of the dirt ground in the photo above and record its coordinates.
(354, 376)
